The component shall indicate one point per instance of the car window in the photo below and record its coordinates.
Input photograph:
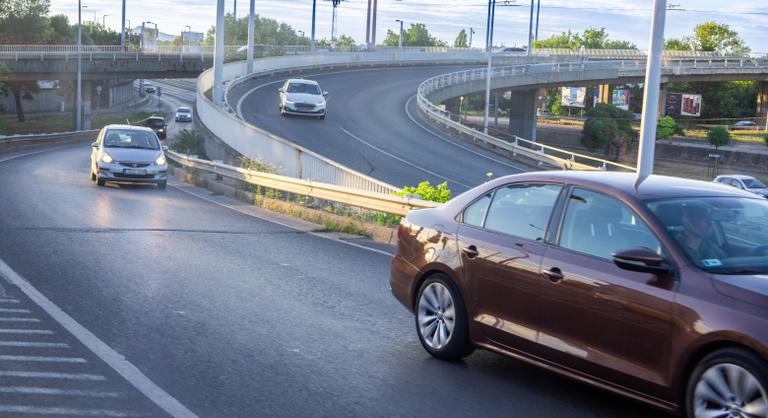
(753, 184)
(303, 88)
(474, 214)
(124, 138)
(522, 210)
(599, 225)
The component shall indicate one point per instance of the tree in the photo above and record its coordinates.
(678, 44)
(722, 99)
(592, 38)
(668, 127)
(266, 31)
(3, 72)
(24, 21)
(61, 31)
(21, 90)
(416, 35)
(710, 36)
(718, 136)
(608, 127)
(461, 40)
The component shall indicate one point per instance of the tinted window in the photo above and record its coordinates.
(304, 88)
(600, 225)
(474, 214)
(522, 210)
(124, 138)
(753, 183)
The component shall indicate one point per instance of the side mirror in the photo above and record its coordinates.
(642, 260)
(165, 147)
(325, 93)
(94, 145)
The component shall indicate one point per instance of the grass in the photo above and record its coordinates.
(63, 123)
(741, 135)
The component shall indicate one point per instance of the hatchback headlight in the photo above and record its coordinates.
(160, 160)
(106, 158)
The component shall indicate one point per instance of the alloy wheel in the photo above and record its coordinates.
(436, 315)
(726, 390)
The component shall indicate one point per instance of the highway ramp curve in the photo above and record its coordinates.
(373, 126)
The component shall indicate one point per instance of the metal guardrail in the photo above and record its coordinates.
(22, 141)
(381, 202)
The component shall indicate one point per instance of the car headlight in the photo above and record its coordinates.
(106, 158)
(160, 160)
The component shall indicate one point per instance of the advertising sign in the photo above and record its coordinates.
(573, 96)
(683, 104)
(621, 99)
(193, 37)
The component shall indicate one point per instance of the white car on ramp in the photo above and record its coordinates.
(302, 97)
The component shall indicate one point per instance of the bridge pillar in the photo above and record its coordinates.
(762, 99)
(604, 93)
(87, 95)
(453, 106)
(663, 100)
(522, 113)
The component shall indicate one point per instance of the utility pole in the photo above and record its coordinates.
(401, 33)
(650, 118)
(530, 32)
(189, 30)
(471, 32)
(218, 62)
(314, 15)
(122, 27)
(104, 21)
(538, 12)
(234, 12)
(373, 24)
(78, 95)
(489, 47)
(251, 30)
(368, 25)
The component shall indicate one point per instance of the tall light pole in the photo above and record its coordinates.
(104, 21)
(401, 33)
(122, 27)
(314, 15)
(489, 47)
(538, 13)
(218, 62)
(189, 30)
(530, 32)
(373, 24)
(652, 86)
(471, 32)
(234, 12)
(78, 94)
(251, 30)
(368, 25)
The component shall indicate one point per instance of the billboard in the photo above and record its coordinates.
(620, 99)
(573, 96)
(193, 37)
(683, 104)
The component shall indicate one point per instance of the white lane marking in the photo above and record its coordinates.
(26, 331)
(116, 361)
(9, 301)
(33, 390)
(408, 113)
(53, 375)
(14, 319)
(53, 410)
(8, 310)
(408, 163)
(32, 344)
(43, 359)
(244, 212)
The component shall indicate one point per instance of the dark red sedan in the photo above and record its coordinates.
(659, 293)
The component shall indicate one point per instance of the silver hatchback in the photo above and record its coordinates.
(132, 154)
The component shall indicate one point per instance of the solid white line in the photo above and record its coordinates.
(52, 375)
(408, 113)
(26, 331)
(236, 209)
(9, 301)
(32, 390)
(14, 319)
(400, 159)
(41, 410)
(43, 359)
(32, 344)
(6, 310)
(98, 347)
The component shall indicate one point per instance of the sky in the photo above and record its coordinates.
(625, 20)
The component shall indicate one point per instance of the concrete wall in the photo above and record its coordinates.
(114, 93)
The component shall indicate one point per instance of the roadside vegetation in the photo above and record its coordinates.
(63, 122)
(189, 142)
(719, 136)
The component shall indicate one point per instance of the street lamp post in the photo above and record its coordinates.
(489, 47)
(251, 41)
(122, 27)
(218, 61)
(78, 94)
(530, 33)
(538, 13)
(471, 32)
(183, 45)
(401, 33)
(104, 21)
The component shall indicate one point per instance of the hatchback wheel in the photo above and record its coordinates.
(101, 182)
(729, 383)
(441, 320)
(162, 185)
(93, 176)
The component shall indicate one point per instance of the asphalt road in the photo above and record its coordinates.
(373, 127)
(235, 316)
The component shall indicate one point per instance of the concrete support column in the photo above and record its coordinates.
(87, 95)
(604, 93)
(662, 100)
(522, 114)
(454, 107)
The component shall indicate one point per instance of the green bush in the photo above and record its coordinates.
(765, 138)
(668, 127)
(719, 136)
(440, 193)
(608, 127)
(189, 142)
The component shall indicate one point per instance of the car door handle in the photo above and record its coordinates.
(470, 251)
(554, 274)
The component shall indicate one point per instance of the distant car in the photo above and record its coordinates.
(149, 88)
(125, 153)
(743, 124)
(747, 183)
(184, 114)
(543, 112)
(512, 50)
(302, 97)
(157, 124)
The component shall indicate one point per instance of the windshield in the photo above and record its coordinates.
(753, 183)
(124, 138)
(719, 235)
(304, 88)
(184, 110)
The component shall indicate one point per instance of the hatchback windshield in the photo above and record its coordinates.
(123, 138)
(720, 235)
(753, 183)
(303, 88)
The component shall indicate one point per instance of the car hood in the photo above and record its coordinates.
(304, 98)
(752, 288)
(131, 154)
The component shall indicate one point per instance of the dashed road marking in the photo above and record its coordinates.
(26, 331)
(6, 310)
(32, 344)
(38, 410)
(18, 319)
(43, 359)
(52, 375)
(33, 390)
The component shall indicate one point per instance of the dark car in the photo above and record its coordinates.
(659, 293)
(157, 124)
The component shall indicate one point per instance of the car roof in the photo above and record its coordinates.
(127, 127)
(736, 176)
(302, 81)
(623, 183)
